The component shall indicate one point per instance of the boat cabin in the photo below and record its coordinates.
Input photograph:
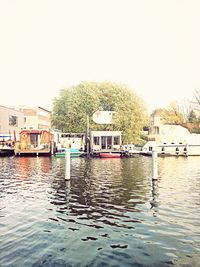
(7, 143)
(71, 140)
(105, 141)
(34, 142)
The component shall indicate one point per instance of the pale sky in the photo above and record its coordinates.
(152, 46)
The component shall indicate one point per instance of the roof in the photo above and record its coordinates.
(45, 109)
(33, 131)
(11, 109)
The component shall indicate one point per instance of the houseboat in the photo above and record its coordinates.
(34, 143)
(172, 140)
(105, 142)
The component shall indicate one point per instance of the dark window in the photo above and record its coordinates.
(109, 142)
(13, 120)
(96, 140)
(34, 139)
(116, 140)
(103, 142)
(156, 130)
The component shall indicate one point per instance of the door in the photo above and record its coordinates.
(34, 139)
(109, 142)
(106, 142)
(103, 142)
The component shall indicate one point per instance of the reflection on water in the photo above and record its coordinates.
(110, 213)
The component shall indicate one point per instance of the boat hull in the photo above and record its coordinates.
(72, 154)
(30, 153)
(165, 150)
(6, 152)
(110, 155)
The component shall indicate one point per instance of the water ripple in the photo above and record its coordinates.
(110, 211)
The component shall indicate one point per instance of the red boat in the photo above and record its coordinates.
(110, 155)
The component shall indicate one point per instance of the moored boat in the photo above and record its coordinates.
(34, 143)
(110, 155)
(172, 149)
(171, 140)
(73, 153)
(6, 151)
(6, 148)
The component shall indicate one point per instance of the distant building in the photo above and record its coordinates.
(156, 117)
(10, 120)
(159, 129)
(168, 133)
(36, 118)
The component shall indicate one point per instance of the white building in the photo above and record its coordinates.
(36, 117)
(10, 120)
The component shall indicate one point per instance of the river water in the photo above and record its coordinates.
(110, 213)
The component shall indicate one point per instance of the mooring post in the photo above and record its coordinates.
(67, 164)
(52, 147)
(186, 150)
(154, 163)
(88, 137)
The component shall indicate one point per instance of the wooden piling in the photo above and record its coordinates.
(154, 164)
(67, 164)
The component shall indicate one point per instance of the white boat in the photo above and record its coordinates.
(131, 150)
(73, 153)
(6, 145)
(172, 140)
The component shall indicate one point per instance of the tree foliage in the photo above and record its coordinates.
(171, 115)
(197, 98)
(192, 112)
(192, 118)
(71, 107)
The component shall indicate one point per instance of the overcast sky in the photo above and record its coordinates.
(151, 46)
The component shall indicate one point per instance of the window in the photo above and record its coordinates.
(13, 121)
(96, 140)
(34, 139)
(109, 142)
(116, 140)
(103, 142)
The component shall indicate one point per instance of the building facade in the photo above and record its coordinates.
(36, 118)
(11, 120)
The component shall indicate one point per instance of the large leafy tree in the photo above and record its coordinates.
(74, 104)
